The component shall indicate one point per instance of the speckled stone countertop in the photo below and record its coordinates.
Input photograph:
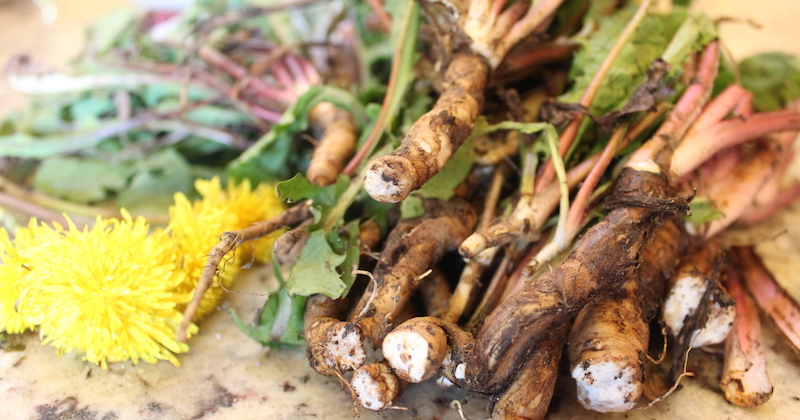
(228, 376)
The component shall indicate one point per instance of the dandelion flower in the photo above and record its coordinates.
(18, 262)
(196, 229)
(248, 206)
(109, 292)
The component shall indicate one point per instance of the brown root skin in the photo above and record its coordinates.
(337, 144)
(434, 138)
(289, 245)
(369, 236)
(528, 397)
(607, 351)
(435, 292)
(411, 250)
(376, 387)
(322, 326)
(597, 265)
(614, 332)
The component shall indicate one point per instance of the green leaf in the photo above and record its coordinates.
(216, 116)
(80, 180)
(405, 28)
(650, 41)
(296, 188)
(24, 145)
(454, 173)
(695, 32)
(773, 78)
(154, 94)
(316, 269)
(155, 181)
(703, 211)
(411, 207)
(279, 323)
(323, 199)
(352, 250)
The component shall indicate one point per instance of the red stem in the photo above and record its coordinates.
(770, 297)
(761, 213)
(383, 17)
(285, 96)
(581, 201)
(705, 143)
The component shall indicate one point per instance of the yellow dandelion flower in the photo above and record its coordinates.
(18, 262)
(108, 292)
(196, 229)
(248, 206)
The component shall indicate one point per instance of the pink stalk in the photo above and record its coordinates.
(762, 212)
(497, 7)
(383, 17)
(772, 188)
(771, 298)
(379, 126)
(537, 14)
(718, 108)
(706, 142)
(264, 113)
(281, 73)
(517, 281)
(311, 74)
(297, 70)
(685, 112)
(744, 378)
(734, 191)
(568, 135)
(239, 73)
(579, 205)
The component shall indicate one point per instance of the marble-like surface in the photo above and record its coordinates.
(227, 376)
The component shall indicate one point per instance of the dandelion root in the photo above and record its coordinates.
(323, 328)
(744, 374)
(410, 251)
(434, 138)
(337, 144)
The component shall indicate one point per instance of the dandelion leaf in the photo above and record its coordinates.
(316, 269)
(80, 180)
(671, 36)
(298, 188)
(774, 79)
(279, 323)
(157, 179)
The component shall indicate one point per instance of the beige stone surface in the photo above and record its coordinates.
(227, 376)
